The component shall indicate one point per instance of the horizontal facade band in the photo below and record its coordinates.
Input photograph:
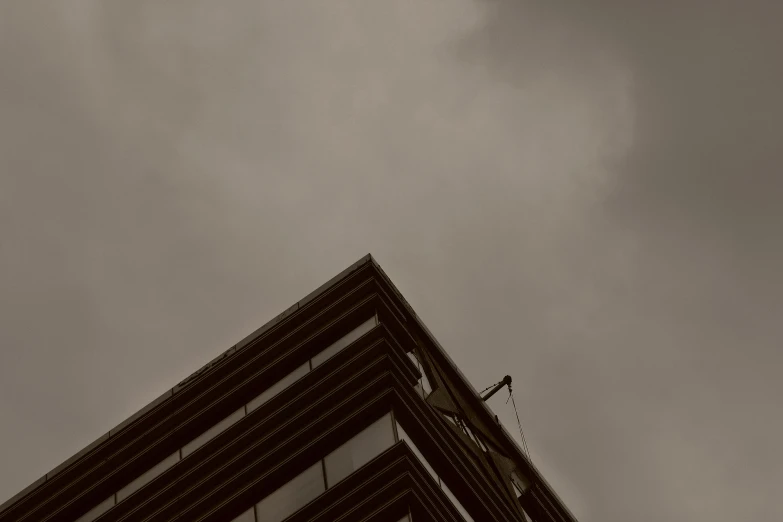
(173, 421)
(240, 374)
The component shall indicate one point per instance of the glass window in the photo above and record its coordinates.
(425, 385)
(212, 432)
(519, 482)
(97, 511)
(247, 516)
(292, 496)
(414, 360)
(360, 450)
(473, 436)
(423, 388)
(404, 436)
(277, 387)
(150, 474)
(344, 341)
(456, 502)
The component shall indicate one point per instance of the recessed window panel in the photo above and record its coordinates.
(456, 502)
(520, 483)
(425, 385)
(344, 341)
(359, 450)
(247, 516)
(473, 436)
(414, 360)
(277, 387)
(97, 511)
(292, 496)
(212, 432)
(423, 388)
(150, 474)
(405, 437)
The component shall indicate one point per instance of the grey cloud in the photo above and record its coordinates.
(704, 82)
(585, 198)
(697, 199)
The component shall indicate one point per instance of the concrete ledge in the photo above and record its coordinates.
(342, 275)
(268, 326)
(193, 377)
(303, 302)
(5, 505)
(139, 413)
(78, 454)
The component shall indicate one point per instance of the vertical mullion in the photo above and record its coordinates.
(323, 471)
(394, 426)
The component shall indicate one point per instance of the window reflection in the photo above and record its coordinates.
(344, 341)
(247, 516)
(354, 457)
(461, 424)
(277, 387)
(425, 385)
(292, 496)
(456, 502)
(521, 484)
(423, 388)
(405, 437)
(414, 359)
(212, 432)
(97, 511)
(358, 451)
(150, 474)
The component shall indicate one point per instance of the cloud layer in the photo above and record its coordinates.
(586, 198)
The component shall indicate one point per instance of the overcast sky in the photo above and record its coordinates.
(585, 195)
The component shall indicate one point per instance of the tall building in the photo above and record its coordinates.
(344, 407)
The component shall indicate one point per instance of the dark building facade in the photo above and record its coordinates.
(344, 407)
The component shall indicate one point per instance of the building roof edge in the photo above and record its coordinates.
(168, 394)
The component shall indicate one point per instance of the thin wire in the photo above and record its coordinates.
(489, 387)
(421, 380)
(519, 423)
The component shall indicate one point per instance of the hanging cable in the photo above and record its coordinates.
(519, 422)
(489, 387)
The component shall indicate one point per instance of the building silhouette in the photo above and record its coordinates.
(344, 407)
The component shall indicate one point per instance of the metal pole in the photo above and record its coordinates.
(506, 381)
